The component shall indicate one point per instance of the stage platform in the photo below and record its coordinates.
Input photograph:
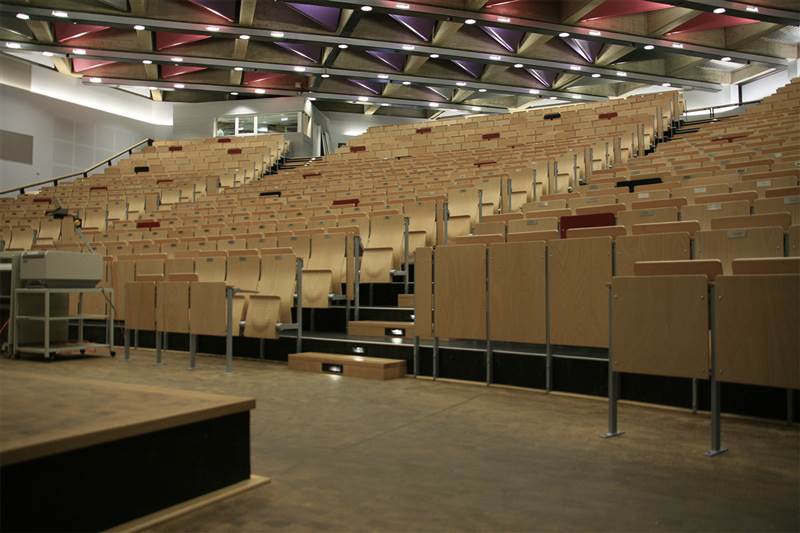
(79, 454)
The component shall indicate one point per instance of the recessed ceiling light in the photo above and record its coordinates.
(666, 84)
(475, 108)
(343, 46)
(312, 98)
(719, 11)
(406, 83)
(433, 56)
(574, 67)
(495, 57)
(363, 99)
(23, 16)
(366, 8)
(408, 47)
(48, 54)
(79, 51)
(176, 59)
(15, 46)
(648, 47)
(533, 91)
(60, 14)
(350, 102)
(503, 19)
(622, 74)
(284, 119)
(461, 83)
(277, 34)
(595, 75)
(299, 69)
(553, 98)
(153, 88)
(384, 104)
(518, 65)
(481, 90)
(469, 21)
(595, 33)
(677, 45)
(325, 75)
(212, 28)
(95, 80)
(234, 93)
(139, 27)
(576, 97)
(726, 58)
(244, 37)
(563, 34)
(751, 9)
(260, 91)
(147, 62)
(401, 5)
(433, 104)
(179, 86)
(383, 76)
(238, 69)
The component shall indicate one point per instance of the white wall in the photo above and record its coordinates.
(66, 137)
(765, 86)
(197, 119)
(344, 126)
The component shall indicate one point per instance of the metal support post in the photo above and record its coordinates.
(416, 355)
(535, 192)
(261, 348)
(299, 304)
(613, 380)
(435, 371)
(789, 406)
(694, 395)
(446, 220)
(357, 282)
(716, 433)
(489, 354)
(126, 339)
(80, 318)
(192, 351)
(480, 205)
(110, 329)
(548, 361)
(229, 337)
(510, 193)
(575, 179)
(554, 189)
(158, 347)
(405, 255)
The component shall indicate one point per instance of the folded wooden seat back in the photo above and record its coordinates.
(263, 316)
(278, 275)
(243, 271)
(422, 217)
(300, 244)
(386, 231)
(328, 253)
(729, 244)
(211, 268)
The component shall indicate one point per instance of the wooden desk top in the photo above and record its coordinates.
(42, 415)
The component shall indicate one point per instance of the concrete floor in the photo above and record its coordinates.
(352, 454)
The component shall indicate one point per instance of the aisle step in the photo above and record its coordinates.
(380, 328)
(348, 365)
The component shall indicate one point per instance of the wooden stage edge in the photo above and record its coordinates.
(189, 506)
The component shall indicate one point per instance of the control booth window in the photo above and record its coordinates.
(232, 125)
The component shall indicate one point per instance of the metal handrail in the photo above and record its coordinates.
(711, 109)
(85, 173)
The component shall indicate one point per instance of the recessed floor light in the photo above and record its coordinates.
(533, 91)
(383, 76)
(576, 97)
(475, 108)
(312, 98)
(284, 119)
(48, 54)
(238, 69)
(726, 59)
(384, 104)
(677, 45)
(495, 57)
(503, 19)
(406, 83)
(433, 56)
(176, 59)
(751, 9)
(574, 67)
(363, 99)
(518, 65)
(408, 47)
(666, 84)
(299, 69)
(401, 5)
(325, 75)
(153, 88)
(553, 98)
(139, 27)
(23, 16)
(595, 33)
(343, 46)
(60, 14)
(433, 104)
(461, 83)
(622, 74)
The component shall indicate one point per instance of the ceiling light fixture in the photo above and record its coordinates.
(312, 98)
(469, 21)
(433, 56)
(677, 45)
(343, 46)
(622, 74)
(726, 59)
(363, 99)
(518, 65)
(23, 16)
(147, 62)
(383, 76)
(475, 108)
(563, 34)
(719, 11)
(96, 80)
(299, 69)
(408, 47)
(461, 83)
(60, 14)
(406, 83)
(15, 46)
(260, 91)
(212, 29)
(384, 104)
(245, 37)
(574, 67)
(79, 51)
(495, 57)
(533, 91)
(238, 69)
(284, 119)
(648, 47)
(179, 86)
(234, 93)
(503, 19)
(325, 75)
(576, 97)
(401, 5)
(595, 75)
(751, 9)
(433, 104)
(666, 84)
(481, 90)
(595, 33)
(553, 98)
(366, 9)
(176, 59)
(139, 27)
(48, 54)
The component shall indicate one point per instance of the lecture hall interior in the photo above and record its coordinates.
(419, 265)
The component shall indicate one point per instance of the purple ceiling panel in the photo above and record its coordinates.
(308, 51)
(419, 26)
(545, 77)
(372, 86)
(588, 50)
(508, 39)
(221, 8)
(393, 59)
(473, 68)
(327, 17)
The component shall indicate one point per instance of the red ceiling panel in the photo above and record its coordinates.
(620, 8)
(65, 31)
(710, 21)
(169, 71)
(168, 39)
(82, 65)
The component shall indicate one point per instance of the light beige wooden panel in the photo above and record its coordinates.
(172, 303)
(704, 213)
(794, 241)
(243, 272)
(460, 298)
(657, 247)
(208, 309)
(526, 236)
(210, 268)
(487, 228)
(140, 305)
(660, 325)
(376, 264)
(263, 314)
(646, 216)
(727, 245)
(578, 271)
(767, 265)
(423, 295)
(782, 220)
(517, 292)
(758, 339)
(532, 224)
(316, 287)
(787, 204)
